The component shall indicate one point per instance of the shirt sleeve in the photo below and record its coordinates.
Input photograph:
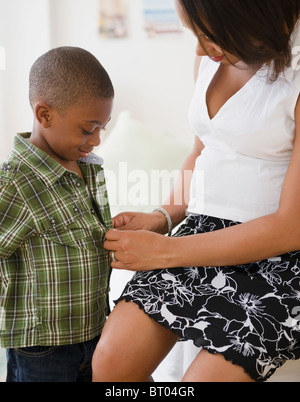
(16, 223)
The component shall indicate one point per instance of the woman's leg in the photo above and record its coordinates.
(214, 368)
(131, 346)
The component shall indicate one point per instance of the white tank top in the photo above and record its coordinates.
(248, 144)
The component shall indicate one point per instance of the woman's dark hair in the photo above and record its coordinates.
(256, 31)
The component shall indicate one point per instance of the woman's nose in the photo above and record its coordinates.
(199, 49)
(206, 47)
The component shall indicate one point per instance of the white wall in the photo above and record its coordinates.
(2, 64)
(25, 35)
(153, 78)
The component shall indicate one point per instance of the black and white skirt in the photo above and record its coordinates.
(249, 313)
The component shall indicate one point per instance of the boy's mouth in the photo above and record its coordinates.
(84, 154)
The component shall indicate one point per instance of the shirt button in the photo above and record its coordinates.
(76, 209)
(78, 184)
(53, 221)
(6, 168)
(93, 212)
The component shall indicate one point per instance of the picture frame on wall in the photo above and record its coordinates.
(113, 18)
(161, 18)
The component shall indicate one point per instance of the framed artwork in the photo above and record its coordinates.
(113, 21)
(160, 17)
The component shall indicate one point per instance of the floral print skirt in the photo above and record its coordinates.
(249, 313)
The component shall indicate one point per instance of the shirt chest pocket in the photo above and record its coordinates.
(71, 226)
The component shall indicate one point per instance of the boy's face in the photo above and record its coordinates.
(74, 134)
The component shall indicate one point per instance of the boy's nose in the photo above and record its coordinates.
(94, 140)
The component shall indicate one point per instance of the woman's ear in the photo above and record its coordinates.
(43, 114)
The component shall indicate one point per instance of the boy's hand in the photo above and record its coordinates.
(153, 222)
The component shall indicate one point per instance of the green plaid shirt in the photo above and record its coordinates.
(54, 271)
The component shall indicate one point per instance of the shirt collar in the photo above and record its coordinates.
(42, 164)
(37, 160)
(92, 159)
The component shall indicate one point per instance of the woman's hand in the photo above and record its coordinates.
(137, 250)
(153, 222)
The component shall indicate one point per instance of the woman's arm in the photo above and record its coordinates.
(259, 239)
(176, 205)
(178, 201)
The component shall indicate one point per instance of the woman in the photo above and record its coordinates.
(238, 296)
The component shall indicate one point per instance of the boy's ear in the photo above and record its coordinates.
(43, 114)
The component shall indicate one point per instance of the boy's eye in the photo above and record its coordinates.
(84, 132)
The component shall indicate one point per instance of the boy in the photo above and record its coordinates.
(54, 214)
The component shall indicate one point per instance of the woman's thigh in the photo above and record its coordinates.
(131, 346)
(209, 367)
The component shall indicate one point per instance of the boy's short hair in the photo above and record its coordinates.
(66, 76)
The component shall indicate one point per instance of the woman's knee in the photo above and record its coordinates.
(214, 368)
(103, 364)
(109, 359)
(131, 346)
